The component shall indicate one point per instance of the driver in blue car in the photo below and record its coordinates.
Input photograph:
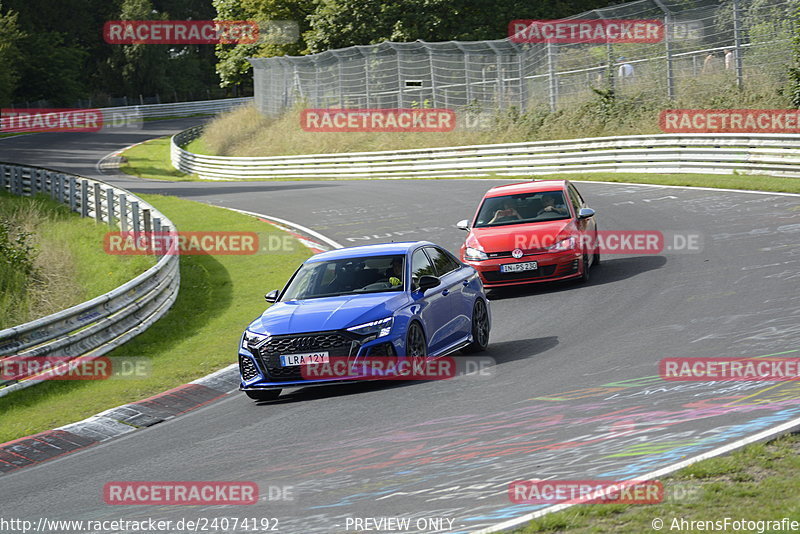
(395, 274)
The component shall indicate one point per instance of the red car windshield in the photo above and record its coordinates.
(522, 208)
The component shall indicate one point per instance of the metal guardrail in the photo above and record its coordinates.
(771, 154)
(95, 327)
(177, 109)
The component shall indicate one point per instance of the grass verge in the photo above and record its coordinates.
(151, 160)
(219, 296)
(53, 259)
(757, 482)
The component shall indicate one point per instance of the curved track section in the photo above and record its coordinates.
(575, 393)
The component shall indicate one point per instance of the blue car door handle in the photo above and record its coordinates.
(446, 292)
(465, 282)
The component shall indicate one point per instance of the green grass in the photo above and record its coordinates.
(757, 482)
(68, 260)
(151, 160)
(219, 296)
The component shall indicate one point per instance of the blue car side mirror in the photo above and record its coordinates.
(427, 281)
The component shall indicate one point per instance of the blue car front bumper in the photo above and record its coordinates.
(260, 367)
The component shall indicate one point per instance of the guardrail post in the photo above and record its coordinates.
(98, 203)
(17, 181)
(84, 198)
(72, 199)
(148, 224)
(60, 189)
(110, 204)
(157, 237)
(34, 182)
(3, 178)
(135, 217)
(123, 212)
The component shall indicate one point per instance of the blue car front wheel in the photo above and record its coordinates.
(415, 341)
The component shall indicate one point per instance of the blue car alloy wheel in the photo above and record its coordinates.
(399, 300)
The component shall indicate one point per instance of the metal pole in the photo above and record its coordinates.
(551, 76)
(433, 77)
(399, 80)
(668, 47)
(737, 38)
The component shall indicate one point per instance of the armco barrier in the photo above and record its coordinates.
(95, 327)
(125, 114)
(772, 154)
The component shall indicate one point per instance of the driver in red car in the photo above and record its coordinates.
(550, 207)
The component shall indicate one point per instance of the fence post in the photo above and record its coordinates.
(433, 78)
(551, 77)
(399, 80)
(2, 177)
(737, 38)
(98, 206)
(668, 48)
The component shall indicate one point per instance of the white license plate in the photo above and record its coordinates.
(517, 267)
(307, 358)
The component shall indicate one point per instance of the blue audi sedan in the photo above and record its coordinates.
(411, 299)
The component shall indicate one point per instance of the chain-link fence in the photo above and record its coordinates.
(705, 44)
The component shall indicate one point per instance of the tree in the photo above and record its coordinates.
(233, 66)
(10, 35)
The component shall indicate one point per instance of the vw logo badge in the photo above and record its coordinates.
(516, 253)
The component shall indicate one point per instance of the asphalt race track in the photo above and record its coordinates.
(575, 393)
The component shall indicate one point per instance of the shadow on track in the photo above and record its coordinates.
(505, 352)
(610, 271)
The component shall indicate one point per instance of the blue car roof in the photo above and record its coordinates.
(380, 249)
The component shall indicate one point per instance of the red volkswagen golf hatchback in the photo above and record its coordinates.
(531, 232)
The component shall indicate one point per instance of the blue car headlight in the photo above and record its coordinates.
(254, 339)
(373, 329)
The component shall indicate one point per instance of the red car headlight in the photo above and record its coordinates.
(564, 244)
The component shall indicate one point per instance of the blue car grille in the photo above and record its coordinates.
(335, 343)
(247, 368)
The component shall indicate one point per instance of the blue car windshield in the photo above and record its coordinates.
(522, 209)
(371, 274)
